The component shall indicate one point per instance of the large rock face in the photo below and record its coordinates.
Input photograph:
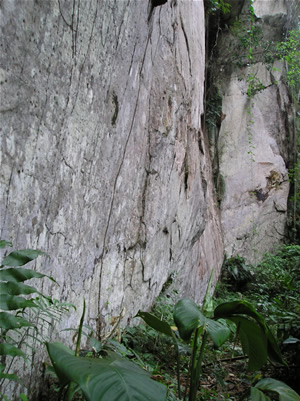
(251, 146)
(256, 178)
(104, 164)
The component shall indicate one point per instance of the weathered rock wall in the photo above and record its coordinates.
(104, 164)
(252, 145)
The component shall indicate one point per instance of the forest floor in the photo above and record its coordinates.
(273, 288)
(224, 376)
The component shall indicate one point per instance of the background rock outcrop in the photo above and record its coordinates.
(252, 139)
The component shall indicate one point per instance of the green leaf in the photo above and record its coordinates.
(8, 349)
(257, 395)
(275, 386)
(21, 257)
(13, 288)
(208, 304)
(55, 350)
(254, 341)
(4, 243)
(20, 275)
(273, 349)
(238, 308)
(228, 310)
(79, 334)
(108, 379)
(9, 376)
(11, 302)
(217, 331)
(96, 344)
(9, 321)
(155, 323)
(187, 317)
(115, 346)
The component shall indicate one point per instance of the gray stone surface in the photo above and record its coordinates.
(104, 165)
(256, 178)
(103, 162)
(253, 141)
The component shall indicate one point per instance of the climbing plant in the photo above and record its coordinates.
(289, 51)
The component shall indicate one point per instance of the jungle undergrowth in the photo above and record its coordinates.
(273, 287)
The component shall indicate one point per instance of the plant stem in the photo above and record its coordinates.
(77, 350)
(70, 390)
(197, 362)
(177, 367)
(191, 365)
(235, 339)
(69, 393)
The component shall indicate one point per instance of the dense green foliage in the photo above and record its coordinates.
(272, 288)
(289, 50)
(214, 6)
(193, 326)
(22, 318)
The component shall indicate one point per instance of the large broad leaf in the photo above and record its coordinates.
(108, 379)
(20, 275)
(21, 257)
(155, 323)
(187, 317)
(254, 341)
(228, 310)
(54, 351)
(217, 331)
(11, 302)
(275, 386)
(13, 288)
(257, 395)
(238, 308)
(8, 349)
(9, 321)
(208, 304)
(273, 349)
